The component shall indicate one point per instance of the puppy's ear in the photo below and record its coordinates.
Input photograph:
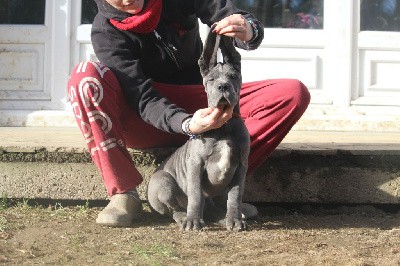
(230, 54)
(208, 58)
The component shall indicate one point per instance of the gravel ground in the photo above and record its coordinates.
(305, 235)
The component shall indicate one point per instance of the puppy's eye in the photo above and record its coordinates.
(211, 79)
(233, 76)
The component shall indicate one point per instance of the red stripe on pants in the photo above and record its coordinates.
(269, 108)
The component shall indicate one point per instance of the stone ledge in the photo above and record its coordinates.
(308, 167)
(288, 176)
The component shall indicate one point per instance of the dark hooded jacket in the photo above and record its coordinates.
(138, 59)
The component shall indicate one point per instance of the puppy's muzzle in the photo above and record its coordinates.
(223, 87)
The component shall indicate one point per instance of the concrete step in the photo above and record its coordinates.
(307, 167)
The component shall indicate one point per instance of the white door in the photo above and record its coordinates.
(379, 53)
(345, 51)
(34, 60)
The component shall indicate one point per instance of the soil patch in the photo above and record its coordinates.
(308, 235)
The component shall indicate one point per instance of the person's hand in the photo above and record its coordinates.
(209, 118)
(235, 26)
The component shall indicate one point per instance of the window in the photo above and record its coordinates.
(89, 11)
(297, 14)
(22, 11)
(380, 15)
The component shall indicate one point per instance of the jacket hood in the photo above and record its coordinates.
(110, 12)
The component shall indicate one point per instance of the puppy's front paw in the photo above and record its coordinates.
(235, 224)
(192, 224)
(179, 217)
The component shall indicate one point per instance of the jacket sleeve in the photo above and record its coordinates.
(117, 51)
(211, 11)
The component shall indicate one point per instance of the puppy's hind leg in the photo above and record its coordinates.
(166, 197)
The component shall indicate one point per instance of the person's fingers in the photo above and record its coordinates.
(227, 114)
(208, 121)
(203, 119)
(235, 19)
(209, 118)
(206, 111)
(234, 26)
(215, 115)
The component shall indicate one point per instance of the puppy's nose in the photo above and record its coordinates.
(223, 87)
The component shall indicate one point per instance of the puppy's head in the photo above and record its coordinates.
(222, 80)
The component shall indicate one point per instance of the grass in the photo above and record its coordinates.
(4, 202)
(24, 204)
(3, 224)
(77, 240)
(27, 204)
(58, 210)
(84, 208)
(155, 252)
(58, 207)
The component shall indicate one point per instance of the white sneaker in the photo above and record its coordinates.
(121, 211)
(249, 211)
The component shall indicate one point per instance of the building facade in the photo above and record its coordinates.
(347, 52)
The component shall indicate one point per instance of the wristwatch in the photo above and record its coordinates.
(254, 29)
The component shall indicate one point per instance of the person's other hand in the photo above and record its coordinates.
(235, 26)
(209, 118)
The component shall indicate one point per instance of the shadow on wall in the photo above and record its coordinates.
(339, 177)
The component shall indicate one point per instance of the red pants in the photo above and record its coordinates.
(269, 108)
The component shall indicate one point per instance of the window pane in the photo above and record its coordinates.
(301, 14)
(22, 11)
(89, 11)
(297, 14)
(380, 15)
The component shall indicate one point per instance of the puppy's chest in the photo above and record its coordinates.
(223, 156)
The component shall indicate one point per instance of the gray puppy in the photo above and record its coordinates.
(215, 164)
